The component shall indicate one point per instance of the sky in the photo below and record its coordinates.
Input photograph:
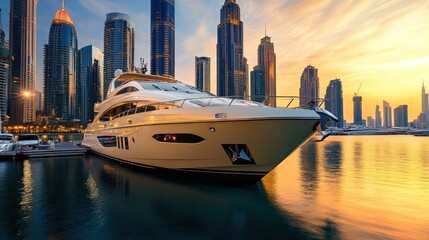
(383, 45)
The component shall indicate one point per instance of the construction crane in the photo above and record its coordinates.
(357, 92)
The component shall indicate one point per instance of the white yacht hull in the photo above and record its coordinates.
(263, 143)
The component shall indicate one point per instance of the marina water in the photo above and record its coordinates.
(347, 187)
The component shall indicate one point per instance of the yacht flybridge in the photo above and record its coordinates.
(161, 123)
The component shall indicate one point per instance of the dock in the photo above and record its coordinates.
(44, 152)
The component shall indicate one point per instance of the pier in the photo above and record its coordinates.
(44, 151)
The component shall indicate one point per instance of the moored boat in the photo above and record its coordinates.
(161, 123)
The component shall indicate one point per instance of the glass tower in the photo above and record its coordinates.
(257, 85)
(231, 79)
(267, 67)
(309, 89)
(61, 68)
(202, 73)
(119, 40)
(334, 101)
(91, 77)
(22, 39)
(162, 39)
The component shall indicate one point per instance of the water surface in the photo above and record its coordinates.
(346, 187)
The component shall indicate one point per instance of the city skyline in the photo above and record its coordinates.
(379, 45)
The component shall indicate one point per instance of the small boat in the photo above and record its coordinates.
(7, 142)
(163, 124)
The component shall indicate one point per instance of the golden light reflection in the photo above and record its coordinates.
(360, 186)
(91, 184)
(27, 189)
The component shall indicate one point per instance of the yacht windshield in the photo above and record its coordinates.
(169, 87)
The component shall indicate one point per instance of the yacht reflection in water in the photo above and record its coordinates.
(148, 205)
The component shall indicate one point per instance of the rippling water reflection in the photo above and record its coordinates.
(342, 188)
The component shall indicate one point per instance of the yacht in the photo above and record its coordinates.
(163, 124)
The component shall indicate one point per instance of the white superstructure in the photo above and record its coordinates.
(163, 124)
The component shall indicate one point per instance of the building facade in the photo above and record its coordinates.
(357, 110)
(162, 39)
(61, 69)
(401, 116)
(39, 102)
(334, 101)
(377, 116)
(267, 67)
(309, 88)
(22, 40)
(91, 77)
(4, 73)
(387, 115)
(119, 40)
(231, 79)
(202, 73)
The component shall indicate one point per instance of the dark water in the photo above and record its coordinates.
(348, 187)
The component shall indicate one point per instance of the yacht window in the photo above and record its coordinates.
(127, 90)
(177, 87)
(119, 111)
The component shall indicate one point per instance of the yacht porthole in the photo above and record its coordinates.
(212, 129)
(133, 140)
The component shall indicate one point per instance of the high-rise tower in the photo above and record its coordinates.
(357, 110)
(309, 89)
(162, 39)
(334, 101)
(401, 116)
(387, 115)
(425, 98)
(202, 73)
(267, 68)
(61, 68)
(119, 43)
(22, 39)
(91, 77)
(377, 116)
(231, 79)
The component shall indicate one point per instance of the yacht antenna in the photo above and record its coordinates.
(143, 66)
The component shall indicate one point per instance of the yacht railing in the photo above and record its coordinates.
(213, 101)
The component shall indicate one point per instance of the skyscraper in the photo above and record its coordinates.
(401, 116)
(425, 99)
(202, 73)
(334, 101)
(230, 68)
(257, 85)
(309, 89)
(91, 76)
(4, 73)
(119, 42)
(61, 68)
(267, 67)
(377, 116)
(387, 115)
(22, 40)
(162, 39)
(357, 110)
